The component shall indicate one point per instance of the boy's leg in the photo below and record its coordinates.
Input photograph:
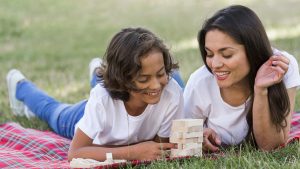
(68, 118)
(60, 117)
(24, 95)
(94, 64)
(175, 75)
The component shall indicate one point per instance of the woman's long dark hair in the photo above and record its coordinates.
(244, 26)
(122, 60)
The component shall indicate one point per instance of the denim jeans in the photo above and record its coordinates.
(61, 117)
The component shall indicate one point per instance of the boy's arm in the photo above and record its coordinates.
(82, 147)
(161, 139)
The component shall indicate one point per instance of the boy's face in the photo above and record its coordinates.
(151, 79)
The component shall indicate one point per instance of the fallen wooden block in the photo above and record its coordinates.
(85, 163)
(90, 163)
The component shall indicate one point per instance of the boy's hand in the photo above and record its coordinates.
(150, 150)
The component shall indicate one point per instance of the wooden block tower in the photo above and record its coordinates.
(188, 134)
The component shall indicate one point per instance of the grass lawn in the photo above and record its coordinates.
(52, 42)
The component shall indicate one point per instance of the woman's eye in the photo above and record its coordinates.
(227, 56)
(209, 55)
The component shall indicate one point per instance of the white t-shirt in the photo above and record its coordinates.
(107, 122)
(202, 99)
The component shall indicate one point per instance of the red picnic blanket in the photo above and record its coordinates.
(30, 148)
(295, 128)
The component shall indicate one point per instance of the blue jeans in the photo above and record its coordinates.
(61, 117)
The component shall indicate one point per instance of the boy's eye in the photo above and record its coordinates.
(142, 79)
(161, 74)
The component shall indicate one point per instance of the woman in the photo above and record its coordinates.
(245, 91)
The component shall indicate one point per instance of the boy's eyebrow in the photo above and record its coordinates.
(157, 71)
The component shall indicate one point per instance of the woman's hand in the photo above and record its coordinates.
(150, 150)
(272, 71)
(211, 140)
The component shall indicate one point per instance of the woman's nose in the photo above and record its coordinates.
(217, 63)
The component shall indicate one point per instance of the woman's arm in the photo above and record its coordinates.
(82, 147)
(266, 133)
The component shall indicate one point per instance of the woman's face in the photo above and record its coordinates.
(227, 59)
(151, 79)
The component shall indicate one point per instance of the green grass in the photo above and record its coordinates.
(52, 42)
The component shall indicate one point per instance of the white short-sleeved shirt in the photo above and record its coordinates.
(202, 99)
(107, 122)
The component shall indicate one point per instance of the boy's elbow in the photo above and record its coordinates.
(70, 155)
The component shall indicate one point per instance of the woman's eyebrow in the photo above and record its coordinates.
(222, 49)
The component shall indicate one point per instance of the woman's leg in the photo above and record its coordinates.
(60, 117)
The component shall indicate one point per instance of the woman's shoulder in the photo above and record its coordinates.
(201, 85)
(200, 76)
(172, 90)
(292, 77)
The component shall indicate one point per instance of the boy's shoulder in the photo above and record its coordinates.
(99, 92)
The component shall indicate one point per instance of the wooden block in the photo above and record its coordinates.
(198, 152)
(187, 140)
(180, 153)
(184, 135)
(85, 163)
(189, 146)
(192, 134)
(187, 152)
(192, 146)
(90, 163)
(194, 129)
(187, 129)
(120, 161)
(185, 123)
(176, 135)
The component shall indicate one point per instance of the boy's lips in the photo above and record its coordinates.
(152, 93)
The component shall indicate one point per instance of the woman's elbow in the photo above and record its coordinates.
(270, 146)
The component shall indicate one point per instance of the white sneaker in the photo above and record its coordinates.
(94, 63)
(18, 108)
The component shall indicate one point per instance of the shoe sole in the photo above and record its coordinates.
(15, 105)
(94, 63)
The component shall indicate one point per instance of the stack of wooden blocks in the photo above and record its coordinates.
(188, 135)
